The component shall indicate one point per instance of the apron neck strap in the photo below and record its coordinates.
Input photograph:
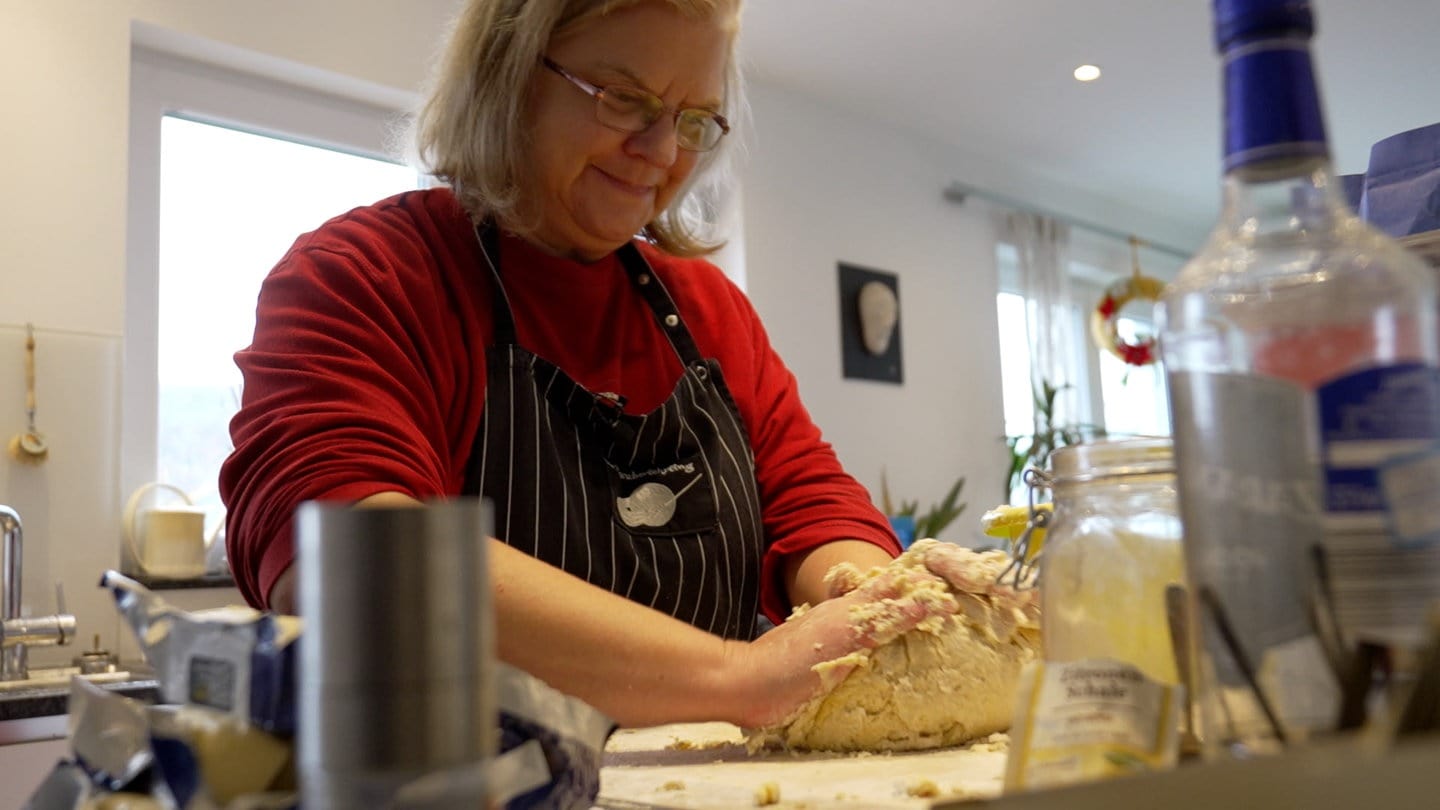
(642, 278)
(667, 315)
(501, 316)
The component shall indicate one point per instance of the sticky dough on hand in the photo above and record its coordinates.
(950, 679)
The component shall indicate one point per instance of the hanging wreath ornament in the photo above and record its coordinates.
(1104, 319)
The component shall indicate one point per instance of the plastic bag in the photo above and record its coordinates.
(235, 659)
(571, 736)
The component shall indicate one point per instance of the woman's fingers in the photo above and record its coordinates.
(974, 572)
(788, 665)
(896, 600)
(842, 579)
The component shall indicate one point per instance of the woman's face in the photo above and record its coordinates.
(594, 187)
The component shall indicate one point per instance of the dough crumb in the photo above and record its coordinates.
(673, 784)
(923, 789)
(998, 742)
(678, 744)
(767, 794)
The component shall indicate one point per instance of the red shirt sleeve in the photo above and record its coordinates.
(354, 384)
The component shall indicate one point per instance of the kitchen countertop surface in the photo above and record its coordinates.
(48, 692)
(706, 765)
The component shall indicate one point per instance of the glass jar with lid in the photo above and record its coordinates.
(1105, 697)
(1112, 550)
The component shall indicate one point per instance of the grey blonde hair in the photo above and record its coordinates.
(471, 131)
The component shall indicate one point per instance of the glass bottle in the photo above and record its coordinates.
(1300, 348)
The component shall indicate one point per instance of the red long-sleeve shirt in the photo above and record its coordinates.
(367, 374)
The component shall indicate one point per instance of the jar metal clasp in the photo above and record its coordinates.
(1020, 574)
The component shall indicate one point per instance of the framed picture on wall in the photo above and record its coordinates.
(870, 324)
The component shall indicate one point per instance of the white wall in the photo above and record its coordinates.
(820, 187)
(64, 89)
(65, 94)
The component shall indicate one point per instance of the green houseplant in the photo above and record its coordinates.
(935, 519)
(1033, 449)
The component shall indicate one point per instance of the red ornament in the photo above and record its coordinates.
(1103, 319)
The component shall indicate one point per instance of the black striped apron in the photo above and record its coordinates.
(661, 508)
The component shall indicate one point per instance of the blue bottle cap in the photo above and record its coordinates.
(1247, 19)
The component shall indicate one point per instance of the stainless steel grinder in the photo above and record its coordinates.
(396, 688)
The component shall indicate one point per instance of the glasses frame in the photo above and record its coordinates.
(598, 93)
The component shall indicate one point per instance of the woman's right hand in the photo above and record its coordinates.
(789, 665)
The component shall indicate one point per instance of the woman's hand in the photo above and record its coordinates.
(868, 608)
(806, 655)
(984, 574)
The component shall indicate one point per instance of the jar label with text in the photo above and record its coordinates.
(1085, 720)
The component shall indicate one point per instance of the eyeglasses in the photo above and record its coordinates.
(629, 109)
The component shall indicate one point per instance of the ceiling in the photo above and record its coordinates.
(993, 78)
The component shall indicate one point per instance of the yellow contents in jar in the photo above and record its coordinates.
(1103, 596)
(1009, 523)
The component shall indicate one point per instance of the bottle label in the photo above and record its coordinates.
(1250, 504)
(1380, 435)
(1272, 105)
(1084, 720)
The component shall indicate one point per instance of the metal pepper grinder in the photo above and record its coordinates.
(396, 688)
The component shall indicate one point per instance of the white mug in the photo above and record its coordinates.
(166, 541)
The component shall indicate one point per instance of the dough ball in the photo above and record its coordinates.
(948, 681)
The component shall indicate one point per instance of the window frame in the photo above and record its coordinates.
(166, 81)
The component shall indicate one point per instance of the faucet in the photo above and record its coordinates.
(17, 632)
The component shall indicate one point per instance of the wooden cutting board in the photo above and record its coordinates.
(706, 765)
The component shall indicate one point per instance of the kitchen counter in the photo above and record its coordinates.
(706, 765)
(35, 709)
(1343, 774)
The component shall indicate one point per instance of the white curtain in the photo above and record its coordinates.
(1042, 250)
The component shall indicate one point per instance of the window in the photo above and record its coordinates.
(1124, 400)
(224, 222)
(227, 169)
(1015, 365)
(1135, 397)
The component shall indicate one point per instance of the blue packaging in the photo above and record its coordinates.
(1402, 183)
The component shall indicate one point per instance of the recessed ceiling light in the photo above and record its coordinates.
(1087, 73)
